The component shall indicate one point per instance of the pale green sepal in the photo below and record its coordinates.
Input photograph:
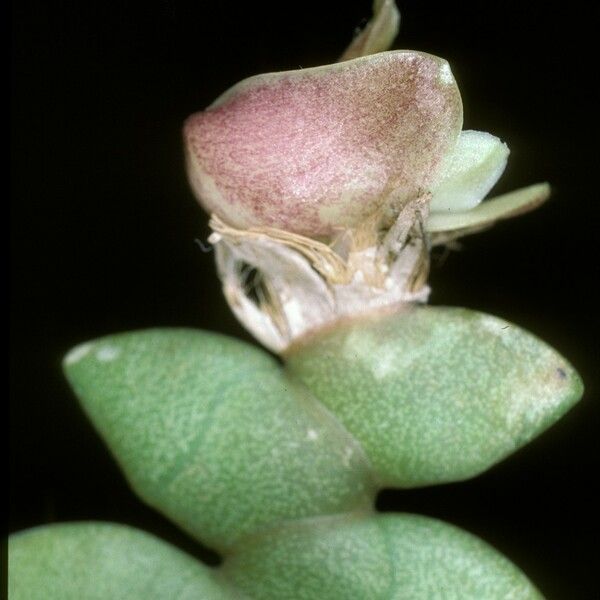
(379, 33)
(436, 394)
(359, 557)
(210, 431)
(487, 213)
(105, 561)
(469, 172)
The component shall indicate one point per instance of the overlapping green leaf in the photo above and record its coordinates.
(210, 431)
(437, 394)
(103, 561)
(395, 557)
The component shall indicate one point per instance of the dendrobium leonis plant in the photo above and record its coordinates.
(327, 188)
(332, 183)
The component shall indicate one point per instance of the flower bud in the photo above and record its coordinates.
(320, 150)
(328, 186)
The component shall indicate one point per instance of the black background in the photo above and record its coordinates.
(103, 230)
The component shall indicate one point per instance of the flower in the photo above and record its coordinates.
(330, 183)
(318, 150)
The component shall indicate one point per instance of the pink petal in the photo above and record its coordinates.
(318, 150)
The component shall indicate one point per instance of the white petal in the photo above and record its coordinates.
(469, 172)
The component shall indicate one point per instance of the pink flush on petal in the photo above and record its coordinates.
(318, 150)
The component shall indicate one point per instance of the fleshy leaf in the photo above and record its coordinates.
(379, 33)
(317, 150)
(488, 212)
(436, 394)
(104, 561)
(210, 431)
(469, 172)
(393, 557)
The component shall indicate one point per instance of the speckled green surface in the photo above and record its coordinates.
(437, 394)
(367, 557)
(104, 561)
(278, 468)
(210, 431)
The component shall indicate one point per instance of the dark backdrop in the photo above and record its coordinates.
(104, 227)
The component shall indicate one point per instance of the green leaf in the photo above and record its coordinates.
(103, 561)
(395, 557)
(211, 432)
(487, 213)
(379, 33)
(436, 394)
